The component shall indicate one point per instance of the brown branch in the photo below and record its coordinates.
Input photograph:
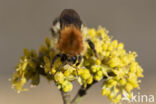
(65, 97)
(81, 92)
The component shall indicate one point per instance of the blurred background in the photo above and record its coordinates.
(26, 23)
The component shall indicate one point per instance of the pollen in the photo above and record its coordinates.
(71, 41)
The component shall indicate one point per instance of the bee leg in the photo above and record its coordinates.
(79, 60)
(92, 46)
(54, 59)
(73, 59)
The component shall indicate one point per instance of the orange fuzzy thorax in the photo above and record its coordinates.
(71, 41)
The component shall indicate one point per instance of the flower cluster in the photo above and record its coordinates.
(114, 58)
(117, 68)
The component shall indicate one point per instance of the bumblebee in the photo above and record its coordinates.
(68, 29)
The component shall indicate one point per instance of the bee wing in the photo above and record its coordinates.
(55, 29)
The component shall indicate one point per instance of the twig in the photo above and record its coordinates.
(65, 97)
(82, 91)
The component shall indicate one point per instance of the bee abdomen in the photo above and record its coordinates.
(68, 17)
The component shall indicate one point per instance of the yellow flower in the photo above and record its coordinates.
(53, 71)
(97, 78)
(122, 82)
(118, 68)
(59, 77)
(95, 68)
(86, 74)
(104, 46)
(117, 98)
(114, 62)
(106, 91)
(98, 62)
(90, 80)
(68, 70)
(129, 87)
(91, 32)
(67, 86)
(114, 43)
(120, 46)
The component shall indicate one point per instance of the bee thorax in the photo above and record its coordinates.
(71, 41)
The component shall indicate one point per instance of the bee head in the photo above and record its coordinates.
(71, 41)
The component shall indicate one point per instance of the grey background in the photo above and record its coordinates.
(26, 23)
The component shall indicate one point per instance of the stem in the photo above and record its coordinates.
(82, 92)
(65, 97)
(76, 99)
